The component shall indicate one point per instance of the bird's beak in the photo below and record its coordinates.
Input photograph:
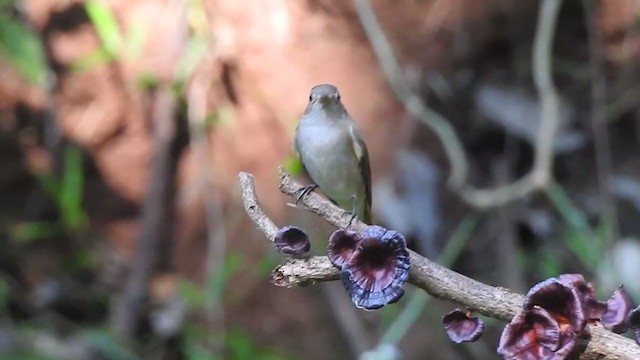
(326, 100)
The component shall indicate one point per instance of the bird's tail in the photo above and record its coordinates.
(367, 216)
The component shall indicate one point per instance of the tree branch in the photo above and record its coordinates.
(496, 302)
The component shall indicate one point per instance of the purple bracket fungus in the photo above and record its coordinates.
(634, 323)
(593, 308)
(292, 241)
(552, 317)
(342, 244)
(618, 307)
(461, 327)
(560, 301)
(577, 281)
(531, 334)
(374, 274)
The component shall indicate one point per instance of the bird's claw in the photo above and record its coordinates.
(352, 216)
(305, 191)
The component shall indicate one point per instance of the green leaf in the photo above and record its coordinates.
(4, 294)
(90, 60)
(109, 348)
(293, 166)
(147, 81)
(267, 263)
(51, 185)
(192, 295)
(194, 51)
(25, 233)
(198, 352)
(21, 48)
(71, 190)
(549, 265)
(106, 26)
(217, 278)
(136, 35)
(581, 247)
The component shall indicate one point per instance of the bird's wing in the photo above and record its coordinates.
(360, 149)
(294, 144)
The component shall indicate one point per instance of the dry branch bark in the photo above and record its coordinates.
(155, 238)
(496, 302)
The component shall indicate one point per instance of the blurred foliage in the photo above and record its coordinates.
(418, 301)
(105, 343)
(577, 236)
(293, 165)
(66, 193)
(577, 239)
(114, 43)
(238, 344)
(20, 47)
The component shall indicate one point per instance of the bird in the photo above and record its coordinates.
(333, 153)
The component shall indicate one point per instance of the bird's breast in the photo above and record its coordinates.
(327, 154)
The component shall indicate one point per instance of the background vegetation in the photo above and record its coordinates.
(124, 123)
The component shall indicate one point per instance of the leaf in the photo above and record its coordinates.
(106, 26)
(217, 278)
(25, 233)
(21, 48)
(293, 166)
(72, 188)
(109, 348)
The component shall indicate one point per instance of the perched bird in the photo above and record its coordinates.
(332, 152)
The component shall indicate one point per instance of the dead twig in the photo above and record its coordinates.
(496, 302)
(599, 126)
(540, 175)
(156, 227)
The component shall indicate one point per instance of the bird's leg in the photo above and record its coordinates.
(354, 208)
(305, 191)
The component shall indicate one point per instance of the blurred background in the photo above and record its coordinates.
(124, 124)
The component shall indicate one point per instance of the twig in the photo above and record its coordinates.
(608, 210)
(412, 103)
(215, 224)
(540, 175)
(436, 280)
(156, 227)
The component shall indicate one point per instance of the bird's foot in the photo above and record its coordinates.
(353, 213)
(352, 217)
(305, 191)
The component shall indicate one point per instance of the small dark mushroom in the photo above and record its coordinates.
(594, 309)
(460, 327)
(377, 269)
(634, 323)
(561, 301)
(577, 281)
(618, 307)
(292, 241)
(342, 244)
(531, 334)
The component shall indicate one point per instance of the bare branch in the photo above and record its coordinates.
(540, 174)
(155, 237)
(604, 168)
(412, 103)
(542, 77)
(253, 208)
(496, 302)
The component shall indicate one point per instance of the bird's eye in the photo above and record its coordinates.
(338, 97)
(310, 98)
